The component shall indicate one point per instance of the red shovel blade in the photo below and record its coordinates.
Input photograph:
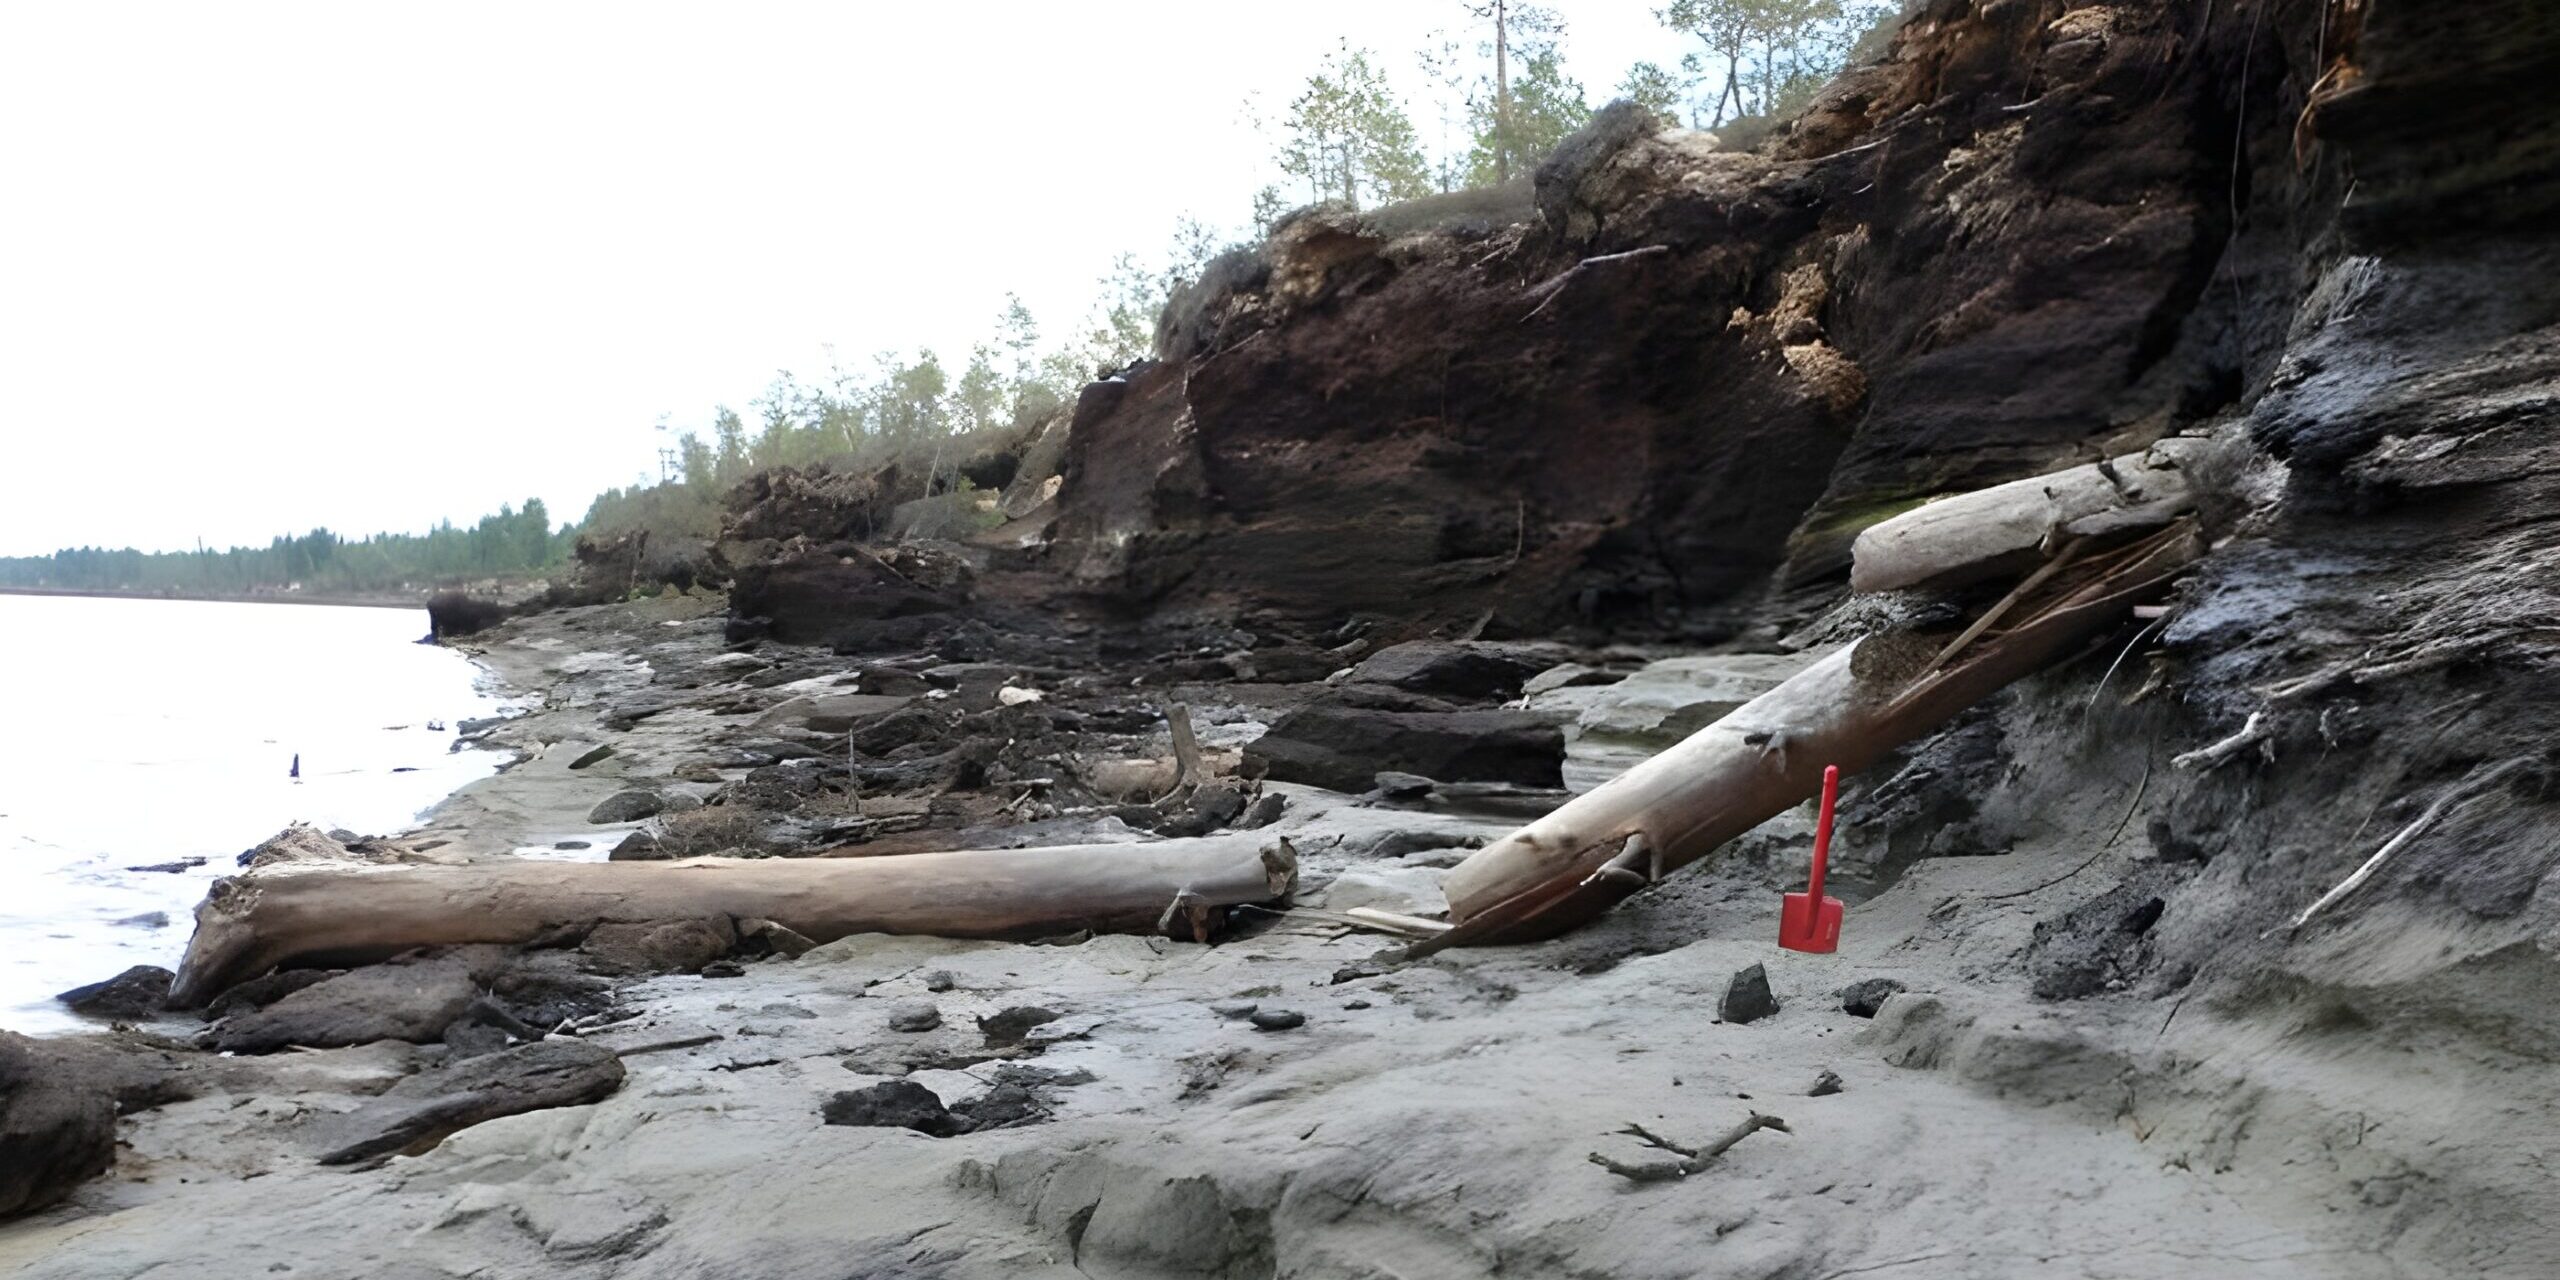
(1809, 921)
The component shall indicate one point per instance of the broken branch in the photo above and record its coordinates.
(1691, 1161)
(2464, 790)
(2255, 731)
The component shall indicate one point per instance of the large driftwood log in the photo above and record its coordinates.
(1849, 709)
(344, 914)
(2004, 530)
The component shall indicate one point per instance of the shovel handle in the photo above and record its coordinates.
(1822, 832)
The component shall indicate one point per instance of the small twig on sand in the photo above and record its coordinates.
(2256, 731)
(1691, 1160)
(2466, 789)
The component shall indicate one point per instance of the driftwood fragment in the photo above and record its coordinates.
(1692, 1159)
(346, 914)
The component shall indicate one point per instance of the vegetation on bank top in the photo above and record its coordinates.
(1496, 99)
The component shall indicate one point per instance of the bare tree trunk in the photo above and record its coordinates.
(1501, 91)
(338, 914)
(1849, 709)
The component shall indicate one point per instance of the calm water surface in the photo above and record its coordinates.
(135, 732)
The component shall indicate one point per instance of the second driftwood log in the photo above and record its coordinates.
(342, 914)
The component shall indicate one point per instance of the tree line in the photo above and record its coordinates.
(515, 541)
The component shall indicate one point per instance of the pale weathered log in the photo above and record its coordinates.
(1848, 709)
(346, 914)
(2004, 530)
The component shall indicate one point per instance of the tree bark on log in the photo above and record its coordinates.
(345, 914)
(1849, 709)
(2006, 529)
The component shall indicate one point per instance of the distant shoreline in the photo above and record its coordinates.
(377, 601)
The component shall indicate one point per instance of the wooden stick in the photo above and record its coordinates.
(2044, 572)
(1691, 1160)
(1393, 922)
(2466, 789)
(2255, 731)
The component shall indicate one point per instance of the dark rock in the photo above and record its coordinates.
(412, 999)
(1005, 1106)
(265, 990)
(940, 980)
(628, 712)
(1861, 999)
(1033, 1075)
(1454, 668)
(1006, 1028)
(571, 845)
(57, 1126)
(1344, 747)
(137, 992)
(1826, 1084)
(1264, 811)
(914, 1015)
(452, 613)
(639, 846)
(2103, 944)
(1212, 806)
(666, 946)
(746, 630)
(628, 806)
(765, 937)
(893, 1104)
(473, 1039)
(1277, 1019)
(546, 989)
(1403, 786)
(818, 598)
(1747, 997)
(170, 868)
(594, 755)
(724, 969)
(426, 1108)
(146, 920)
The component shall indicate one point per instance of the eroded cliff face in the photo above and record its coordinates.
(1693, 371)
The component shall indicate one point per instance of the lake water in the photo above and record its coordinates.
(135, 732)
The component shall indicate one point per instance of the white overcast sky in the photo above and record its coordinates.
(265, 267)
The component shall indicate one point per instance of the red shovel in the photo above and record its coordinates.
(1809, 921)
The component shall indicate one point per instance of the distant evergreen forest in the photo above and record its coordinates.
(514, 541)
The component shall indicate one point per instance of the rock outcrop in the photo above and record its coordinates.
(1694, 370)
(57, 1127)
